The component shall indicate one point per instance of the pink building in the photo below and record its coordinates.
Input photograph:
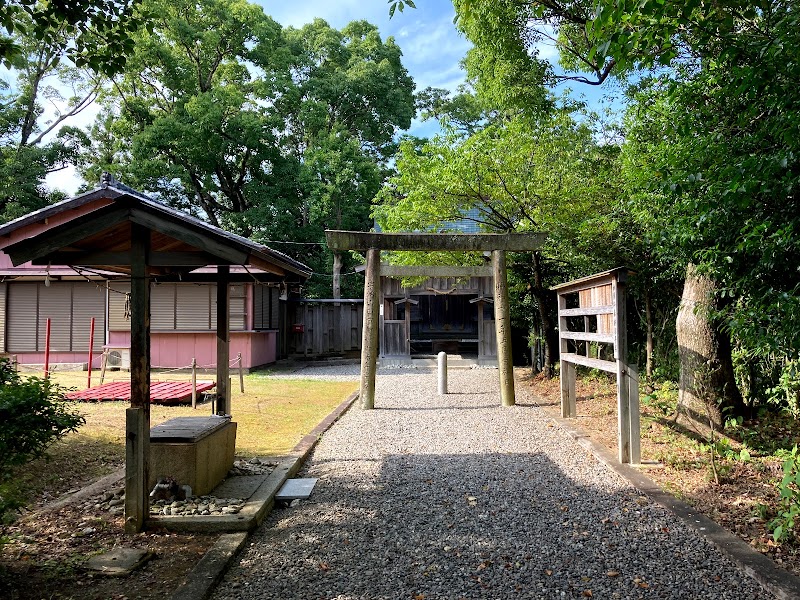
(183, 307)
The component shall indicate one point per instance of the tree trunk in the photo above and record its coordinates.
(706, 387)
(543, 299)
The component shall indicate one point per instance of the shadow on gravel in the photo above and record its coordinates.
(439, 408)
(492, 525)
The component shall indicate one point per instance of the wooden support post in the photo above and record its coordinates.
(47, 349)
(636, 427)
(502, 324)
(137, 439)
(241, 373)
(408, 325)
(194, 383)
(337, 276)
(91, 347)
(568, 377)
(103, 364)
(223, 339)
(621, 355)
(369, 346)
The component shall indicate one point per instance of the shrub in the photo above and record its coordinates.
(33, 414)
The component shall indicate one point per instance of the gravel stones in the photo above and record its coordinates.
(113, 501)
(454, 496)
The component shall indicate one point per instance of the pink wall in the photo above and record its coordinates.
(176, 349)
(37, 358)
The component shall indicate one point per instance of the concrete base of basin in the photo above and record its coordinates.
(201, 462)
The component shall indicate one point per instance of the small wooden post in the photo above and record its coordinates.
(502, 324)
(137, 439)
(241, 373)
(636, 426)
(103, 363)
(369, 351)
(47, 349)
(408, 324)
(223, 338)
(91, 346)
(568, 401)
(621, 354)
(15, 363)
(194, 383)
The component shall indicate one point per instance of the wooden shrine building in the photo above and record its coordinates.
(451, 311)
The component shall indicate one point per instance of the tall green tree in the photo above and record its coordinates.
(515, 174)
(717, 120)
(99, 30)
(275, 134)
(38, 97)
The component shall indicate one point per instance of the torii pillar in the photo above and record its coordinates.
(373, 243)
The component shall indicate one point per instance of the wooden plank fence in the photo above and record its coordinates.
(591, 317)
(324, 327)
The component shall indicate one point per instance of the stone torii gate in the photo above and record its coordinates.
(496, 243)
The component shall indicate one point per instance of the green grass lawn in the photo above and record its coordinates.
(272, 416)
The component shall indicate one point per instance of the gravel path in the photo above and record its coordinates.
(431, 497)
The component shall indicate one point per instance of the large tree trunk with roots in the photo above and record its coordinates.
(706, 387)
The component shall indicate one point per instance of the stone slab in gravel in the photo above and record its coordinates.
(453, 496)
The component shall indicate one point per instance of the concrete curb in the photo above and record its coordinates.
(208, 572)
(773, 579)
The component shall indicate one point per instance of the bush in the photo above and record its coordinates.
(33, 414)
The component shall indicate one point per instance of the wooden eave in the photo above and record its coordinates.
(41, 215)
(179, 243)
(621, 274)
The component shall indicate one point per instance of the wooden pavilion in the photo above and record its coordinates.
(135, 235)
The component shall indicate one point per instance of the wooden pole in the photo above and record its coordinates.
(223, 340)
(137, 439)
(103, 363)
(369, 347)
(241, 373)
(194, 383)
(568, 377)
(337, 275)
(568, 373)
(621, 355)
(502, 324)
(636, 426)
(47, 349)
(91, 346)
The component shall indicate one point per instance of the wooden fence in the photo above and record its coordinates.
(320, 328)
(591, 318)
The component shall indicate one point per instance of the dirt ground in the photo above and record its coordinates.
(45, 550)
(674, 458)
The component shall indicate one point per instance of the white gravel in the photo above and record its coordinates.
(441, 497)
